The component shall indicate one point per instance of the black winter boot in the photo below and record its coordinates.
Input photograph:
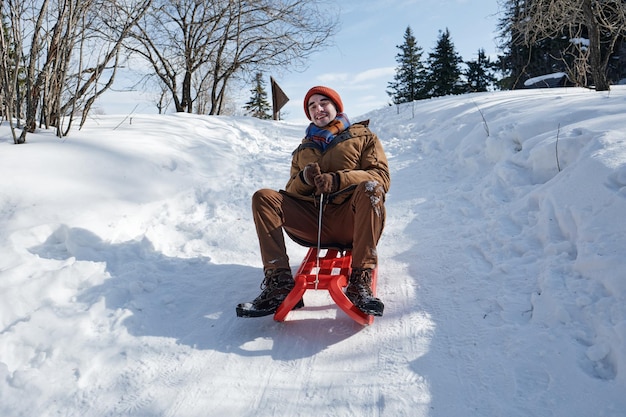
(275, 288)
(359, 291)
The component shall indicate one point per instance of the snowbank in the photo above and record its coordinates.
(126, 246)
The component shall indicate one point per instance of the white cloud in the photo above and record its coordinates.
(331, 78)
(374, 74)
(352, 79)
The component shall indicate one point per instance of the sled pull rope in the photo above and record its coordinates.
(319, 242)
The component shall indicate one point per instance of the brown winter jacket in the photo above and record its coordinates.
(356, 154)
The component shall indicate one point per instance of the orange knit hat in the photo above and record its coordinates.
(325, 91)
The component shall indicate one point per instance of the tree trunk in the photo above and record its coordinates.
(596, 66)
(186, 104)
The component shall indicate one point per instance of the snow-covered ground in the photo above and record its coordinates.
(125, 247)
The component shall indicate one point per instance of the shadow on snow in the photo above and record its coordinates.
(190, 300)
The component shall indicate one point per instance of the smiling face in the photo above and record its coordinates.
(321, 110)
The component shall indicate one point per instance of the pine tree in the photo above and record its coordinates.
(409, 80)
(258, 106)
(444, 73)
(540, 37)
(480, 73)
(520, 61)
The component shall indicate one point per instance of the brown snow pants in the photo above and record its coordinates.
(357, 223)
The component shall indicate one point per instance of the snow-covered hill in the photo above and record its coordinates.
(126, 246)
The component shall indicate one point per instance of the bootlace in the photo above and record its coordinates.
(362, 281)
(266, 281)
(271, 279)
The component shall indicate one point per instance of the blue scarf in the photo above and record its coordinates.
(323, 136)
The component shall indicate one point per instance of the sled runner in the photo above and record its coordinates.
(332, 275)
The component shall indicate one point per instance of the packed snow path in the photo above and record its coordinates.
(126, 246)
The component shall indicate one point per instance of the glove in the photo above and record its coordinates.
(326, 183)
(309, 173)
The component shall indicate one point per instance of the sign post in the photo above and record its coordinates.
(279, 98)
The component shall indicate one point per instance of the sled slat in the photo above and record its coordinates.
(333, 275)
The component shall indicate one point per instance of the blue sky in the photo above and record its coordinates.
(362, 58)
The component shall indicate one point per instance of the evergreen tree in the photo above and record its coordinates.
(480, 73)
(520, 61)
(515, 56)
(444, 73)
(258, 106)
(409, 80)
(535, 44)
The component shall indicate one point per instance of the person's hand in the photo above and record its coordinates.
(311, 171)
(326, 183)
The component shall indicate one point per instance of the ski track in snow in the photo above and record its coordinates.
(503, 288)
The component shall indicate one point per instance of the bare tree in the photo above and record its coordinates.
(196, 47)
(68, 51)
(106, 27)
(593, 27)
(11, 64)
(162, 100)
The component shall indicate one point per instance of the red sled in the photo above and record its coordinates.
(333, 274)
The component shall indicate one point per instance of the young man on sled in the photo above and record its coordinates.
(344, 166)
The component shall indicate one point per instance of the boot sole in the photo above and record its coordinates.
(247, 312)
(372, 308)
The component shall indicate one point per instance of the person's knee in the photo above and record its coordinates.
(371, 188)
(262, 193)
(263, 197)
(370, 197)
